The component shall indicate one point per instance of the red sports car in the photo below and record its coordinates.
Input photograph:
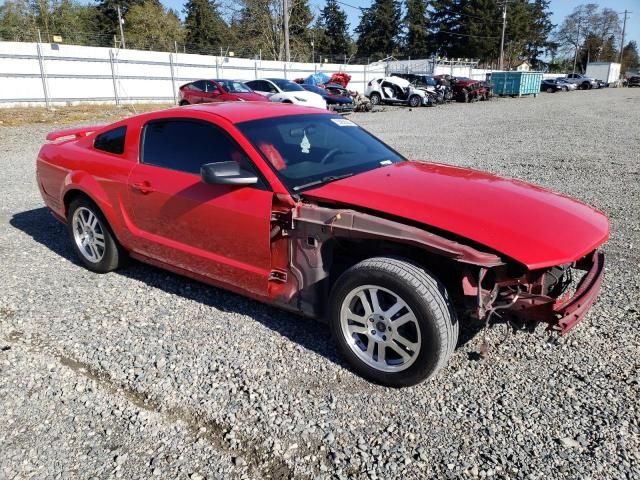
(305, 210)
(207, 91)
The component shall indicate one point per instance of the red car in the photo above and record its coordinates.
(303, 209)
(206, 91)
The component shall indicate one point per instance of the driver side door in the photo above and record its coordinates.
(220, 232)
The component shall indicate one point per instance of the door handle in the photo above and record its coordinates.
(143, 187)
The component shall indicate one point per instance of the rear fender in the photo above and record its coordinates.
(80, 181)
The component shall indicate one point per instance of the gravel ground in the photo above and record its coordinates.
(144, 374)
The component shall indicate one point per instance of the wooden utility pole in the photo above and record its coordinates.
(285, 15)
(121, 22)
(504, 26)
(624, 27)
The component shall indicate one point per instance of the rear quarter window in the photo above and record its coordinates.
(111, 141)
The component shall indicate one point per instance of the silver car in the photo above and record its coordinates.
(567, 86)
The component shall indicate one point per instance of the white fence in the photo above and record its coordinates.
(56, 74)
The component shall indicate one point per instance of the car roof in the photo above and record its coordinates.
(238, 112)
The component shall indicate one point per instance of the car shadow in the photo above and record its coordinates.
(42, 227)
(312, 335)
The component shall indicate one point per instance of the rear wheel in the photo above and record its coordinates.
(375, 98)
(183, 103)
(393, 321)
(550, 90)
(92, 237)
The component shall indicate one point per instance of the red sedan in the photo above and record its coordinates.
(305, 210)
(208, 91)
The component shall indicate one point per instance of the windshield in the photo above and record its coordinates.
(234, 87)
(287, 85)
(314, 89)
(309, 150)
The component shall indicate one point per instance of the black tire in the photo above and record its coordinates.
(375, 99)
(586, 86)
(415, 101)
(423, 294)
(550, 90)
(113, 256)
(183, 103)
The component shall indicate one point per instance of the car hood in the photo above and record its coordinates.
(526, 223)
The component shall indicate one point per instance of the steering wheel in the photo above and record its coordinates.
(328, 155)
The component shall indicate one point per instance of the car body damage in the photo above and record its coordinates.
(303, 209)
(540, 295)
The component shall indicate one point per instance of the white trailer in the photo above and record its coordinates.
(608, 72)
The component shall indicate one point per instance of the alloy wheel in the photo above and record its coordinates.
(88, 234)
(380, 328)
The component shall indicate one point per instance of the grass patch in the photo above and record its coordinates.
(16, 117)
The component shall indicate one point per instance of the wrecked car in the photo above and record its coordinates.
(305, 210)
(395, 91)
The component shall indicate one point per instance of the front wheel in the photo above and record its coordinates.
(415, 101)
(92, 237)
(375, 99)
(393, 321)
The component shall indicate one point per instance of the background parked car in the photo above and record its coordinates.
(286, 91)
(582, 81)
(634, 81)
(566, 83)
(206, 91)
(395, 90)
(552, 85)
(335, 102)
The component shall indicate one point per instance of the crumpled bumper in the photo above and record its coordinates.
(564, 313)
(570, 311)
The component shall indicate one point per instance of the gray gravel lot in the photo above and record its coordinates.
(144, 374)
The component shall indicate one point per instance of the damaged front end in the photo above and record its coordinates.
(305, 239)
(555, 296)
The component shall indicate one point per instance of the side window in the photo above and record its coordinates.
(111, 141)
(210, 86)
(186, 145)
(258, 85)
(198, 86)
(270, 88)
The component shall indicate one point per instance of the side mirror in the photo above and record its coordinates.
(226, 173)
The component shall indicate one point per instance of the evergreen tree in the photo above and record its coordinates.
(472, 29)
(332, 29)
(151, 27)
(630, 58)
(108, 17)
(416, 24)
(379, 29)
(206, 31)
(300, 38)
(16, 22)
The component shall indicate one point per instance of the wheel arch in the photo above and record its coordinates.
(81, 184)
(326, 242)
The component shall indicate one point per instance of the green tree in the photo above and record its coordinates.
(108, 17)
(588, 33)
(379, 29)
(259, 28)
(206, 31)
(472, 29)
(76, 23)
(630, 58)
(332, 30)
(151, 27)
(416, 23)
(16, 21)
